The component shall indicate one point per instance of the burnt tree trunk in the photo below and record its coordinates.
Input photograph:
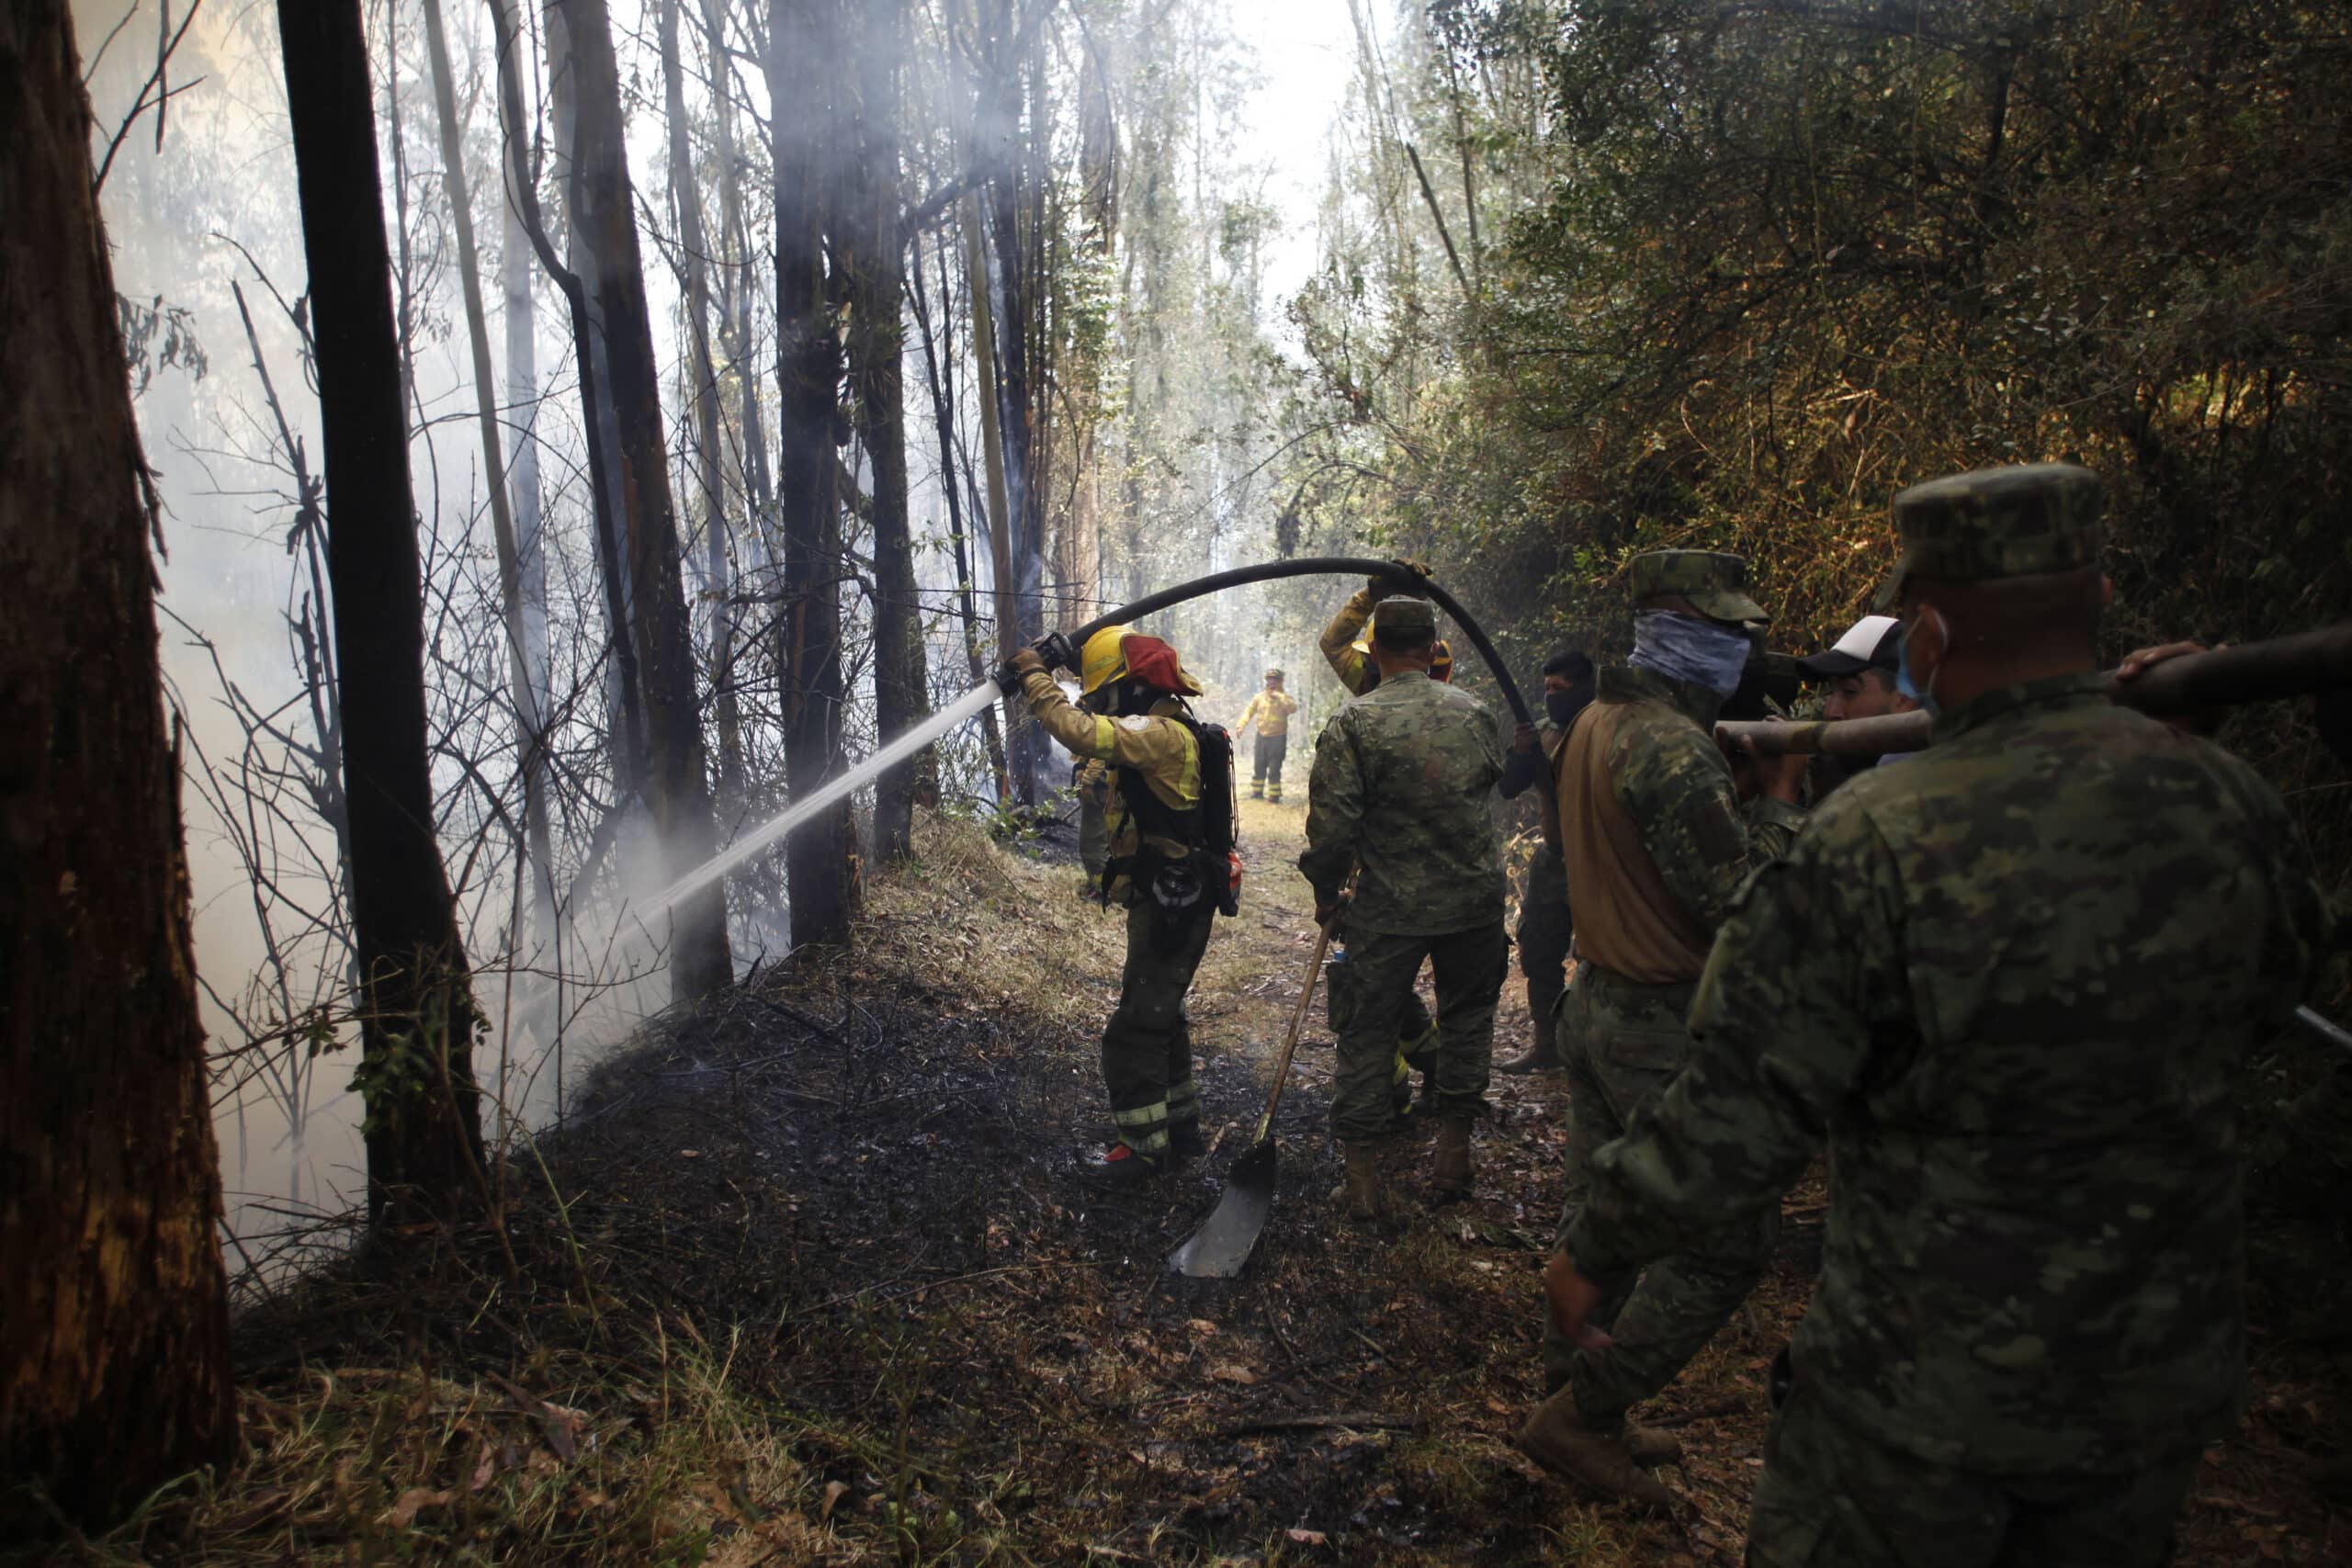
(418, 1022)
(804, 54)
(677, 786)
(873, 250)
(114, 1348)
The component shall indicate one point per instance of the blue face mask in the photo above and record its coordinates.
(1904, 682)
(1685, 649)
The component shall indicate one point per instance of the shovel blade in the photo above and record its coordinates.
(1220, 1248)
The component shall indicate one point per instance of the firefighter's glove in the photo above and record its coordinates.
(1056, 652)
(1406, 577)
(1008, 673)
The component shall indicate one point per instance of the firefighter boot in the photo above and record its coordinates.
(1451, 1184)
(1121, 1168)
(1592, 1455)
(1256, 789)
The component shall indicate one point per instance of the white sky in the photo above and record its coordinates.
(1304, 54)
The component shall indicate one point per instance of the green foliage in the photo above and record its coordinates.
(1780, 262)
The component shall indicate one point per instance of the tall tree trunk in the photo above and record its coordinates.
(938, 361)
(803, 55)
(1010, 308)
(424, 1129)
(1006, 602)
(709, 487)
(676, 786)
(520, 318)
(530, 723)
(608, 468)
(874, 250)
(114, 1348)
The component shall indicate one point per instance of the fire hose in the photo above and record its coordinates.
(2255, 672)
(1311, 565)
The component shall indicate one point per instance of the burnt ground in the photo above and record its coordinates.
(822, 1287)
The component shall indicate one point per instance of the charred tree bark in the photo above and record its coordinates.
(804, 56)
(114, 1348)
(677, 786)
(423, 1128)
(872, 253)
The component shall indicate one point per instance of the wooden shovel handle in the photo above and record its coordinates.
(1298, 1017)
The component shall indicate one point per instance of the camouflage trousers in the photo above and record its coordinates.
(1544, 931)
(1831, 1497)
(1372, 997)
(1622, 1043)
(1148, 1043)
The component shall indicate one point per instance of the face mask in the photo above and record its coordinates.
(1904, 682)
(1685, 649)
(1564, 706)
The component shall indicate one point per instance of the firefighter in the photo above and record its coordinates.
(1134, 719)
(1267, 721)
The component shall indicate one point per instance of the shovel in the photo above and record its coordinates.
(1223, 1244)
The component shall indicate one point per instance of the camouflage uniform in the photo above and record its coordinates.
(1148, 1043)
(1400, 789)
(1545, 925)
(1267, 721)
(2012, 982)
(1415, 1030)
(1643, 750)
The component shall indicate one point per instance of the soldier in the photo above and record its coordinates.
(1544, 926)
(1268, 719)
(2012, 982)
(1136, 724)
(1399, 796)
(1656, 844)
(1347, 648)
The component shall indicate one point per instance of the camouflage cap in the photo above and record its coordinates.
(1715, 582)
(2011, 522)
(1406, 618)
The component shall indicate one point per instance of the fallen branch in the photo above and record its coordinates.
(1317, 1423)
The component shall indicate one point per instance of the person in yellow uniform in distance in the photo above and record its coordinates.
(1135, 721)
(1267, 722)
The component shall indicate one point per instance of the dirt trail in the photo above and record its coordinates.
(854, 1189)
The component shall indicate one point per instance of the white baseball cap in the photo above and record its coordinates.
(1870, 643)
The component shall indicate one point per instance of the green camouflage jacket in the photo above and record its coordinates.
(2011, 983)
(1403, 787)
(1675, 782)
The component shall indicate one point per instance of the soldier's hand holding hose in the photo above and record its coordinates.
(2205, 721)
(1756, 772)
(1406, 578)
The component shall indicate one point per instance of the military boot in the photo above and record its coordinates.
(1451, 1184)
(1650, 1446)
(1360, 1196)
(1594, 1455)
(1544, 1056)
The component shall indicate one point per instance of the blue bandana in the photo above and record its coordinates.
(1695, 652)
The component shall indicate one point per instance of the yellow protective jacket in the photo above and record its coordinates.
(1350, 663)
(1268, 712)
(1158, 748)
